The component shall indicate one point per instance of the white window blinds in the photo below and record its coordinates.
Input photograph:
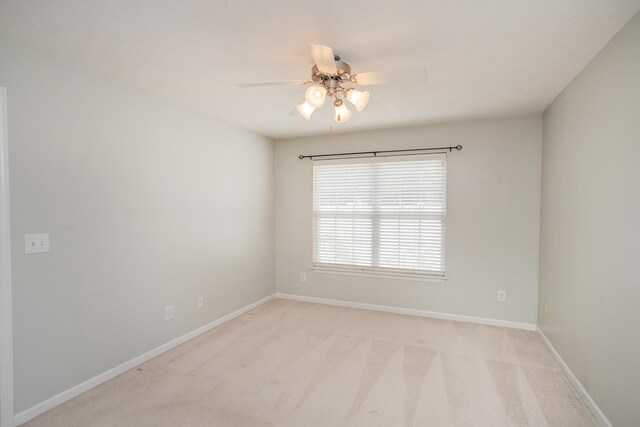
(381, 214)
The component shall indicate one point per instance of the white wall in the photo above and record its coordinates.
(590, 235)
(149, 203)
(492, 219)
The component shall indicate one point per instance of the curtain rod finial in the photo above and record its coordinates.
(459, 147)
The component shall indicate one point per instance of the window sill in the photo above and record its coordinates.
(387, 275)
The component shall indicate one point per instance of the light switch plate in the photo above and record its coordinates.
(36, 243)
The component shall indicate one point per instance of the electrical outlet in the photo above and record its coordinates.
(200, 302)
(303, 277)
(168, 313)
(36, 243)
(502, 296)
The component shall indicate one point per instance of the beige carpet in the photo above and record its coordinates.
(290, 363)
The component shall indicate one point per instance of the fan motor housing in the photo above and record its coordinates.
(343, 69)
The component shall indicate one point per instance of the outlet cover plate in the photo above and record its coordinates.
(36, 243)
(502, 296)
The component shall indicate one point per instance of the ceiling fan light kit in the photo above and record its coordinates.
(305, 110)
(340, 111)
(332, 77)
(329, 74)
(315, 96)
(357, 98)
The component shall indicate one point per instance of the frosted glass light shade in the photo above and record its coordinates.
(305, 110)
(315, 96)
(341, 113)
(358, 99)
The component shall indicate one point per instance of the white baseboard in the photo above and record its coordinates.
(60, 398)
(66, 395)
(582, 392)
(411, 312)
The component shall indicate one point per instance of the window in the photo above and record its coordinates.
(380, 215)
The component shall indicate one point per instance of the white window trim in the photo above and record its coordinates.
(369, 272)
(372, 271)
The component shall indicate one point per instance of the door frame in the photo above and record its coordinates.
(6, 321)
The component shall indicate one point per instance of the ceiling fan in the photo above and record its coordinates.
(331, 77)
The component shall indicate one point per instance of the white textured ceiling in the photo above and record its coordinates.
(485, 58)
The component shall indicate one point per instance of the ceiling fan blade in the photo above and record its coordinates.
(323, 57)
(383, 77)
(275, 83)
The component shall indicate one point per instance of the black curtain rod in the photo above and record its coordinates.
(375, 153)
